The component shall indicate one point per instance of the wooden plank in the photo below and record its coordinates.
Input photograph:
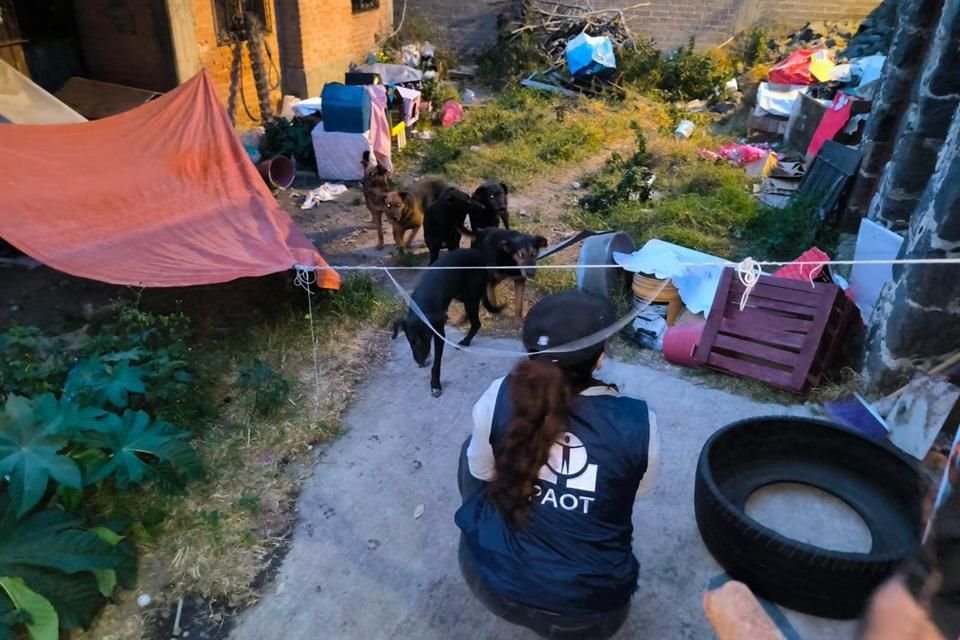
(751, 370)
(785, 309)
(766, 318)
(759, 333)
(806, 297)
(756, 349)
(814, 343)
(715, 318)
(788, 283)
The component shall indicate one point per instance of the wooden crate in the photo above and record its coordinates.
(788, 335)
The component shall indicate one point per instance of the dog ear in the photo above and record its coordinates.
(365, 159)
(397, 325)
(505, 190)
(505, 245)
(480, 192)
(539, 242)
(407, 198)
(382, 170)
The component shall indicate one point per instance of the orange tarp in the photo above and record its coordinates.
(160, 196)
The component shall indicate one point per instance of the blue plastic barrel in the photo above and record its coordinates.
(346, 109)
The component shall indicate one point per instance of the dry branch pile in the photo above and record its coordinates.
(551, 25)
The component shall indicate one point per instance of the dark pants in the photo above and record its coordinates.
(546, 624)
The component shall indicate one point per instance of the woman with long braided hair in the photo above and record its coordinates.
(549, 476)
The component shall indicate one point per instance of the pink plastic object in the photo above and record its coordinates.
(452, 113)
(679, 342)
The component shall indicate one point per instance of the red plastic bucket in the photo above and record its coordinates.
(679, 342)
(279, 172)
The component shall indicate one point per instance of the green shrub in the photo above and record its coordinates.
(264, 388)
(688, 75)
(290, 138)
(75, 422)
(622, 179)
(783, 234)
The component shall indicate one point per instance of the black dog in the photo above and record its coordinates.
(433, 295)
(493, 197)
(443, 220)
(508, 248)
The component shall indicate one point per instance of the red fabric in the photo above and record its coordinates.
(160, 196)
(805, 272)
(794, 69)
(452, 113)
(834, 119)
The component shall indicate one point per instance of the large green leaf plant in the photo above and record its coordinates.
(56, 570)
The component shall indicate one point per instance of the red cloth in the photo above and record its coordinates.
(452, 113)
(794, 69)
(804, 271)
(160, 196)
(834, 119)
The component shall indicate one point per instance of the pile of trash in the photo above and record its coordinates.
(814, 104)
(579, 44)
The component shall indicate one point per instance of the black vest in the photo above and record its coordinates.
(573, 556)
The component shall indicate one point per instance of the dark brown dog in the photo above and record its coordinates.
(508, 248)
(375, 185)
(443, 221)
(405, 210)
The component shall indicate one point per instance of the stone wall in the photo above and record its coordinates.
(917, 319)
(471, 27)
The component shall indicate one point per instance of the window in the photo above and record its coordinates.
(229, 16)
(359, 6)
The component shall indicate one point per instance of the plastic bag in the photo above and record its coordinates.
(794, 69)
(451, 114)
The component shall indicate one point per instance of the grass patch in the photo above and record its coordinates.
(518, 135)
(218, 537)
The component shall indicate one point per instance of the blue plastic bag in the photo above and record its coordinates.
(588, 55)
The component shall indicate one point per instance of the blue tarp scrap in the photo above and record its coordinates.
(589, 55)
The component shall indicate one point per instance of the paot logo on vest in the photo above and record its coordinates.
(568, 467)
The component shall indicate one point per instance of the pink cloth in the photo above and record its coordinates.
(833, 121)
(807, 272)
(379, 125)
(452, 113)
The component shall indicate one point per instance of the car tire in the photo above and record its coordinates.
(877, 481)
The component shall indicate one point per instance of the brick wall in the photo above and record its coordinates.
(796, 12)
(126, 42)
(320, 38)
(217, 60)
(469, 27)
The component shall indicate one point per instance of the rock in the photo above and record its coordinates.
(723, 107)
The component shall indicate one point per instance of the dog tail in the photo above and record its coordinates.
(489, 306)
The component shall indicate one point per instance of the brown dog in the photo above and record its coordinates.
(405, 209)
(508, 248)
(375, 185)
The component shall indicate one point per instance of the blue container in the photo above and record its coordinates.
(587, 55)
(345, 109)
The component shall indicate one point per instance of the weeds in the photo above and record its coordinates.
(265, 390)
(517, 135)
(783, 234)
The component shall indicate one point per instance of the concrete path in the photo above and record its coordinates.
(363, 567)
